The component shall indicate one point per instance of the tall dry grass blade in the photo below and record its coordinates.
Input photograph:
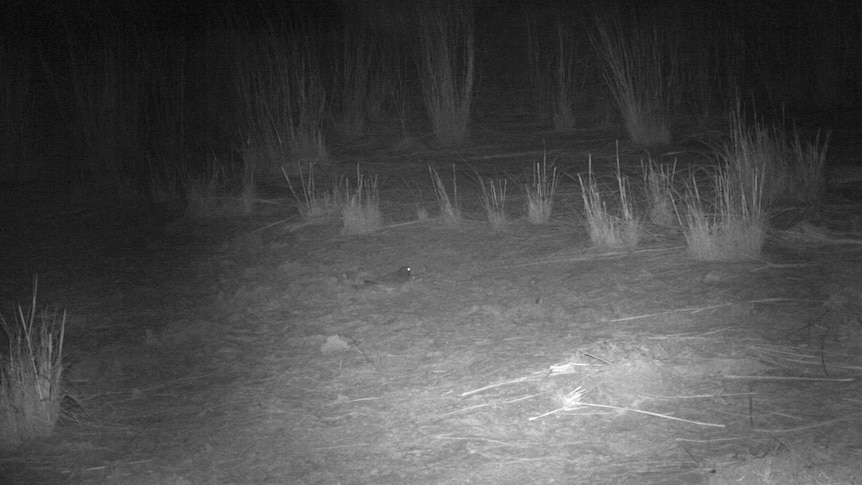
(629, 227)
(450, 209)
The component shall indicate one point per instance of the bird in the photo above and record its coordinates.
(395, 278)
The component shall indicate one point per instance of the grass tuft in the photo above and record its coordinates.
(361, 209)
(658, 184)
(447, 64)
(541, 191)
(639, 67)
(31, 372)
(729, 224)
(310, 201)
(494, 201)
(557, 74)
(608, 231)
(810, 164)
(788, 170)
(450, 209)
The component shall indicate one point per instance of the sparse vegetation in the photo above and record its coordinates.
(729, 222)
(361, 209)
(566, 82)
(447, 64)
(541, 191)
(353, 68)
(809, 160)
(638, 65)
(310, 200)
(557, 74)
(31, 374)
(608, 231)
(450, 208)
(658, 185)
(341, 332)
(711, 58)
(124, 107)
(282, 100)
(790, 171)
(493, 198)
(758, 167)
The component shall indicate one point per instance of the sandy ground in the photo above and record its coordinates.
(249, 350)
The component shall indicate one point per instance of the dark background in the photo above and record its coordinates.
(173, 62)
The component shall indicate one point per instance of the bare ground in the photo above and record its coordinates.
(249, 351)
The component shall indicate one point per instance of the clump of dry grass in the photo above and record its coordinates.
(494, 201)
(282, 100)
(31, 372)
(758, 166)
(639, 67)
(557, 73)
(729, 224)
(540, 193)
(361, 209)
(658, 185)
(789, 170)
(311, 201)
(450, 209)
(608, 231)
(810, 162)
(447, 66)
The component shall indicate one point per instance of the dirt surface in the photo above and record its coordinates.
(250, 350)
